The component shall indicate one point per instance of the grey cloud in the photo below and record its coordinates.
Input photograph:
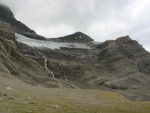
(101, 19)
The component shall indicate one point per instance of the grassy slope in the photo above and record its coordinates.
(23, 98)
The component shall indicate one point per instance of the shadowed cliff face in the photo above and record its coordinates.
(7, 16)
(122, 65)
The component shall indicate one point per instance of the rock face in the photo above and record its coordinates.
(7, 16)
(126, 65)
(121, 65)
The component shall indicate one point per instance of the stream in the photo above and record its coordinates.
(36, 52)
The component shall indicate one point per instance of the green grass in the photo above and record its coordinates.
(44, 100)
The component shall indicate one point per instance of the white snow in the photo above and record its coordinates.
(48, 44)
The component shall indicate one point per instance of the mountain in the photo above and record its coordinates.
(77, 37)
(7, 15)
(126, 63)
(120, 65)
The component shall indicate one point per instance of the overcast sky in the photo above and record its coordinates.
(100, 19)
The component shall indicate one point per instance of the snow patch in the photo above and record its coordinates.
(48, 44)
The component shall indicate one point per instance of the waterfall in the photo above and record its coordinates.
(48, 70)
(36, 52)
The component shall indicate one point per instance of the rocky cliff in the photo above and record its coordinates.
(121, 65)
(7, 16)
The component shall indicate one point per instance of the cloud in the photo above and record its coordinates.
(55, 31)
(101, 19)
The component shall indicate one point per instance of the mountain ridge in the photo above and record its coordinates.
(7, 15)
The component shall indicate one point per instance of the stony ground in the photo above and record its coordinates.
(19, 97)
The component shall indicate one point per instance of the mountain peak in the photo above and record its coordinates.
(124, 39)
(7, 15)
(79, 33)
(77, 37)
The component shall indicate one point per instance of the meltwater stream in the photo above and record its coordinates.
(45, 62)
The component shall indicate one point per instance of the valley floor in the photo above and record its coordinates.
(19, 97)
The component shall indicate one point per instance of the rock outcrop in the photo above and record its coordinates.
(126, 66)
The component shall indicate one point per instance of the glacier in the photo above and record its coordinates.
(48, 44)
